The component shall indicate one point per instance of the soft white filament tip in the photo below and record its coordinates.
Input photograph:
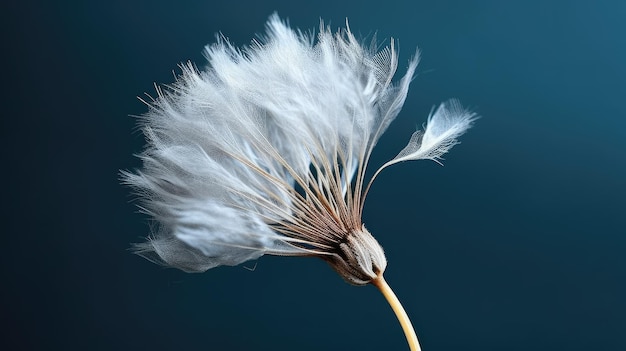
(442, 130)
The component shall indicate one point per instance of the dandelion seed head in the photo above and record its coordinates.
(265, 151)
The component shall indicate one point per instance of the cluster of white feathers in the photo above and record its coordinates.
(231, 147)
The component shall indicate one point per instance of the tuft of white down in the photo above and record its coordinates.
(227, 145)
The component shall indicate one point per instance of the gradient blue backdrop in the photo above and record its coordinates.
(517, 243)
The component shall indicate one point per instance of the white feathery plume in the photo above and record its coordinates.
(265, 152)
(448, 122)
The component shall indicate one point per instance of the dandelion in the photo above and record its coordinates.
(265, 153)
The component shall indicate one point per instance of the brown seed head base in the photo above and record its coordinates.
(358, 258)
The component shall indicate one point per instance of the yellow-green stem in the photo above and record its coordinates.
(403, 318)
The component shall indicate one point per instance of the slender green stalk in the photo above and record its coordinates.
(403, 318)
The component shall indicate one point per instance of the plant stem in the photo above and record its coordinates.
(403, 318)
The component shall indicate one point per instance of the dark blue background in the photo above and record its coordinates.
(518, 243)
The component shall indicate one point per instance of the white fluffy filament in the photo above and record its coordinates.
(448, 122)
